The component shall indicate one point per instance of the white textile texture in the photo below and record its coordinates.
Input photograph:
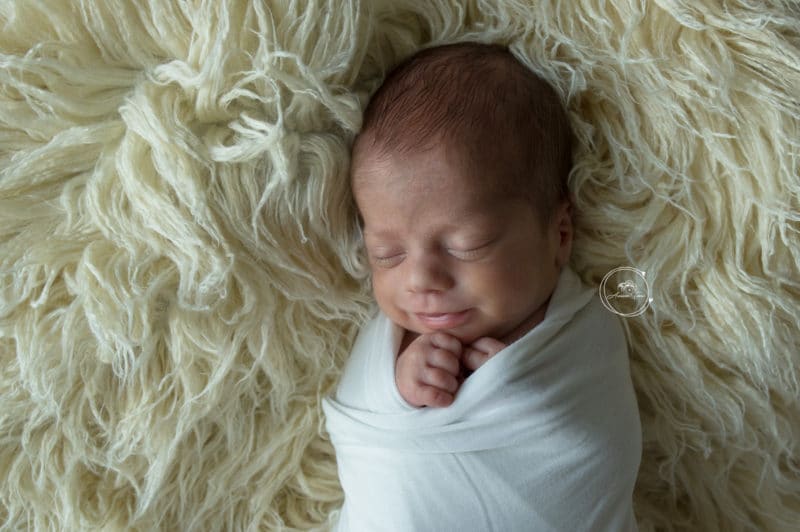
(544, 436)
(181, 275)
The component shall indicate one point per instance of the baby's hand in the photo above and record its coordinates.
(427, 372)
(481, 350)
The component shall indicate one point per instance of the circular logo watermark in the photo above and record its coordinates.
(625, 291)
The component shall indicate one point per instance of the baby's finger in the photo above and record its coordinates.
(480, 351)
(473, 359)
(488, 345)
(445, 341)
(442, 359)
(430, 396)
(439, 378)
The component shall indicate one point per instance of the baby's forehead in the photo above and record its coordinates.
(439, 157)
(385, 173)
(407, 188)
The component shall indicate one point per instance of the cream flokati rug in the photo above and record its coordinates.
(180, 280)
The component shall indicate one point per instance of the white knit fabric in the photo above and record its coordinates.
(545, 436)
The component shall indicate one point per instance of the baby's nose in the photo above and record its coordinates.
(428, 273)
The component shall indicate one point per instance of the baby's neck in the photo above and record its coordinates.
(526, 325)
(408, 337)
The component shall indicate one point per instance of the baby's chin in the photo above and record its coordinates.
(506, 332)
(465, 335)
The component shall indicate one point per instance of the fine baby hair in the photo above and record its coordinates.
(502, 120)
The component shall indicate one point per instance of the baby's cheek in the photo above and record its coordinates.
(380, 290)
(504, 281)
(386, 295)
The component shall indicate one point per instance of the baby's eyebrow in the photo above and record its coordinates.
(377, 234)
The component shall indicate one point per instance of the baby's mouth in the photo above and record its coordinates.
(442, 320)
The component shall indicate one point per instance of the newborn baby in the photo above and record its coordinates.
(492, 390)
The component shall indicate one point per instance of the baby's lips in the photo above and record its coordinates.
(445, 320)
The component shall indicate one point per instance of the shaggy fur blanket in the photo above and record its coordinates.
(181, 279)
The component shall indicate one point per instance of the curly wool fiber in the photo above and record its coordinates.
(180, 271)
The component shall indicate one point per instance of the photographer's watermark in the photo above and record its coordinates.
(625, 291)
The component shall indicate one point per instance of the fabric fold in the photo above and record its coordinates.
(552, 413)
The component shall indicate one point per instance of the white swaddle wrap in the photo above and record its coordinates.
(545, 436)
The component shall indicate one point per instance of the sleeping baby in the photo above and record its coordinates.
(491, 392)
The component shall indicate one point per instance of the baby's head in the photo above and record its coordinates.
(460, 177)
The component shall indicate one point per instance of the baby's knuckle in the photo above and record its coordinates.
(435, 378)
(438, 398)
(443, 340)
(428, 375)
(445, 399)
(438, 355)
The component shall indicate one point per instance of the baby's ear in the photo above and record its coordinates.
(563, 215)
(565, 231)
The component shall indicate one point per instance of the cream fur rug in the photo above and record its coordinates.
(180, 283)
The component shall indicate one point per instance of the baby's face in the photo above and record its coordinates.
(451, 254)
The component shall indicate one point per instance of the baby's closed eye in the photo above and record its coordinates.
(386, 259)
(470, 252)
